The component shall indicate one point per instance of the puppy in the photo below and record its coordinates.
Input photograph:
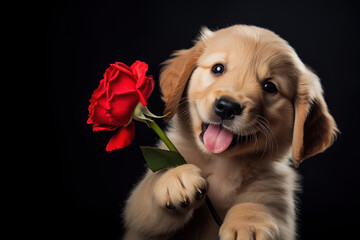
(242, 104)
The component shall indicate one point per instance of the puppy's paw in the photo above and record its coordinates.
(248, 222)
(181, 188)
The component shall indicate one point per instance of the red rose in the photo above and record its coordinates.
(114, 101)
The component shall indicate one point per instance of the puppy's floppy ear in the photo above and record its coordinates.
(314, 128)
(176, 72)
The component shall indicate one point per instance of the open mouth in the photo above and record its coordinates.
(218, 139)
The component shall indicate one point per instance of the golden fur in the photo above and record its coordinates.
(251, 184)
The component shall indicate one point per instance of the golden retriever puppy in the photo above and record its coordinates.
(242, 104)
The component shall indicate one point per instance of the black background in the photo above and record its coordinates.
(83, 188)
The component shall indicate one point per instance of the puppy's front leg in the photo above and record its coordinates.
(249, 221)
(164, 201)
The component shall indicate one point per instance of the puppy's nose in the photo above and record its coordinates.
(227, 109)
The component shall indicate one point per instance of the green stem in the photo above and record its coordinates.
(213, 212)
(152, 124)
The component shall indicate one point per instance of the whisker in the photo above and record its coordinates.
(264, 127)
(184, 112)
(264, 132)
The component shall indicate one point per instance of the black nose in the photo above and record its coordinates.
(227, 109)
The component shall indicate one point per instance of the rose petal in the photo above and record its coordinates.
(144, 85)
(121, 107)
(119, 78)
(146, 90)
(104, 127)
(123, 68)
(139, 69)
(97, 92)
(98, 113)
(122, 82)
(114, 68)
(122, 138)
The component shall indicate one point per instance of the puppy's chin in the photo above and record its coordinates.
(217, 139)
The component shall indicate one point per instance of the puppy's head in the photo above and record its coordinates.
(247, 93)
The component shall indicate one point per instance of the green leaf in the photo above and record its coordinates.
(139, 115)
(147, 112)
(158, 159)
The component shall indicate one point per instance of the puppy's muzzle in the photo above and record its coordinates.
(227, 109)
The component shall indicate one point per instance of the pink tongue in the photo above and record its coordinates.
(217, 139)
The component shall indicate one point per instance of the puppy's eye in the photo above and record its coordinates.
(218, 69)
(269, 87)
